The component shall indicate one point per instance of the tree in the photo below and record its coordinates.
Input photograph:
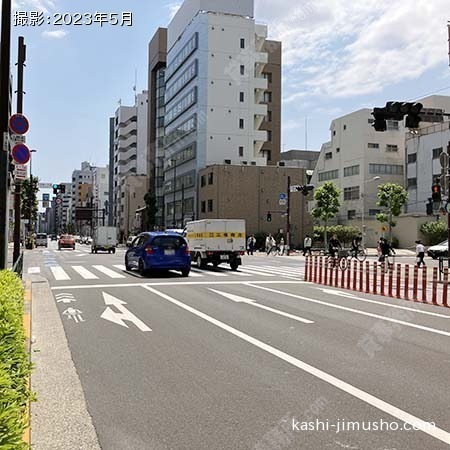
(327, 198)
(434, 232)
(29, 199)
(392, 197)
(151, 209)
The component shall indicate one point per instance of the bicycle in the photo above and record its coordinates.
(387, 262)
(359, 254)
(339, 260)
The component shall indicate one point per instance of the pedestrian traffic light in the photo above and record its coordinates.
(63, 188)
(269, 217)
(55, 189)
(436, 193)
(430, 207)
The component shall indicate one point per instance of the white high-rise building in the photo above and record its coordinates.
(100, 181)
(215, 95)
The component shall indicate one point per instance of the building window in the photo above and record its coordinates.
(345, 127)
(203, 207)
(241, 152)
(210, 206)
(242, 70)
(269, 135)
(329, 175)
(351, 193)
(334, 132)
(241, 97)
(412, 183)
(351, 214)
(241, 124)
(385, 169)
(437, 152)
(182, 55)
(242, 43)
(329, 155)
(412, 158)
(350, 171)
(267, 97)
(269, 116)
(391, 148)
(372, 145)
(203, 181)
(392, 125)
(211, 178)
(338, 149)
(374, 212)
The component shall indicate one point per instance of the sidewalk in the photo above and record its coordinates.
(370, 252)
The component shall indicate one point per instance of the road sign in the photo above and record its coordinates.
(45, 185)
(443, 158)
(46, 197)
(20, 172)
(283, 196)
(282, 202)
(20, 153)
(45, 204)
(17, 138)
(58, 201)
(18, 124)
(5, 141)
(383, 228)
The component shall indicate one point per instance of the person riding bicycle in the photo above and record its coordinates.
(356, 244)
(333, 246)
(386, 249)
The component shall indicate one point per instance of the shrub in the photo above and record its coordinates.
(15, 367)
(344, 233)
(434, 232)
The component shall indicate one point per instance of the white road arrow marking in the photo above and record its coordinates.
(74, 314)
(122, 316)
(238, 299)
(354, 297)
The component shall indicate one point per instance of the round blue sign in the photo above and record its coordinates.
(19, 124)
(20, 153)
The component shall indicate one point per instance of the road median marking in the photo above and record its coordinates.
(367, 398)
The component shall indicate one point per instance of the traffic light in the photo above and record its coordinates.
(63, 188)
(397, 111)
(436, 193)
(307, 189)
(412, 112)
(430, 207)
(380, 119)
(269, 217)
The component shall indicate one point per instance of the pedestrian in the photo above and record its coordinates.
(333, 246)
(420, 253)
(271, 244)
(251, 241)
(307, 245)
(268, 237)
(386, 249)
(356, 244)
(281, 247)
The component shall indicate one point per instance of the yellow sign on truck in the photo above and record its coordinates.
(216, 241)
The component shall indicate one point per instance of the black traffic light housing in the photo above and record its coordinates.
(269, 217)
(436, 193)
(62, 188)
(397, 111)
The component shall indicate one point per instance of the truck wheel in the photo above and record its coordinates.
(201, 263)
(234, 265)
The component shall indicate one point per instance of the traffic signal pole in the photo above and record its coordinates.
(448, 215)
(288, 226)
(5, 56)
(18, 184)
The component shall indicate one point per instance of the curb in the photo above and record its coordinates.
(27, 327)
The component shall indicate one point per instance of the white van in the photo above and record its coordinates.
(41, 240)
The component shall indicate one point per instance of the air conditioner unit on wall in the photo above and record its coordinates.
(281, 164)
(227, 161)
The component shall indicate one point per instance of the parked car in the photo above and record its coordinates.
(54, 237)
(66, 241)
(160, 251)
(438, 250)
(41, 240)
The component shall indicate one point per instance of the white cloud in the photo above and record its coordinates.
(173, 8)
(34, 5)
(336, 49)
(58, 34)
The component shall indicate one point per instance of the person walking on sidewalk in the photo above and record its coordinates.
(307, 245)
(270, 243)
(420, 253)
(251, 241)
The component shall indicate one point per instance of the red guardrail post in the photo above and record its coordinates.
(424, 284)
(435, 285)
(343, 279)
(406, 287)
(375, 277)
(306, 267)
(367, 277)
(398, 281)
(361, 276)
(349, 272)
(415, 283)
(382, 281)
(315, 269)
(355, 272)
(325, 274)
(445, 288)
(390, 280)
(320, 270)
(336, 276)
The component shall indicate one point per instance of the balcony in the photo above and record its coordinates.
(260, 136)
(261, 83)
(261, 58)
(261, 109)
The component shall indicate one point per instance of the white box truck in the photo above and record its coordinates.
(104, 239)
(216, 241)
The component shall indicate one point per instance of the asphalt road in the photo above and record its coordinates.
(224, 360)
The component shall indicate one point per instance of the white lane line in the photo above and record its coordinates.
(214, 274)
(108, 272)
(34, 270)
(272, 273)
(120, 267)
(255, 272)
(59, 273)
(176, 283)
(195, 274)
(283, 272)
(370, 399)
(86, 274)
(248, 301)
(239, 273)
(356, 311)
(390, 305)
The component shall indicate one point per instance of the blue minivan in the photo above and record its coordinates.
(158, 251)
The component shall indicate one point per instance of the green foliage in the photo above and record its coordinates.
(29, 198)
(327, 203)
(434, 232)
(344, 233)
(14, 364)
(150, 212)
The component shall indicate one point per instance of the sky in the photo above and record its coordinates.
(338, 57)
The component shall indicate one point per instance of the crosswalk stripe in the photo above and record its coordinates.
(120, 267)
(285, 271)
(59, 273)
(34, 270)
(86, 274)
(195, 274)
(256, 272)
(240, 274)
(110, 273)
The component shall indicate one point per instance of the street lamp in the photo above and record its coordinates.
(362, 210)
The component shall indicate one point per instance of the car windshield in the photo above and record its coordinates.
(442, 243)
(168, 242)
(66, 236)
(42, 236)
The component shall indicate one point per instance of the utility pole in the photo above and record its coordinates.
(288, 226)
(448, 215)
(5, 56)
(18, 184)
(174, 161)
(182, 205)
